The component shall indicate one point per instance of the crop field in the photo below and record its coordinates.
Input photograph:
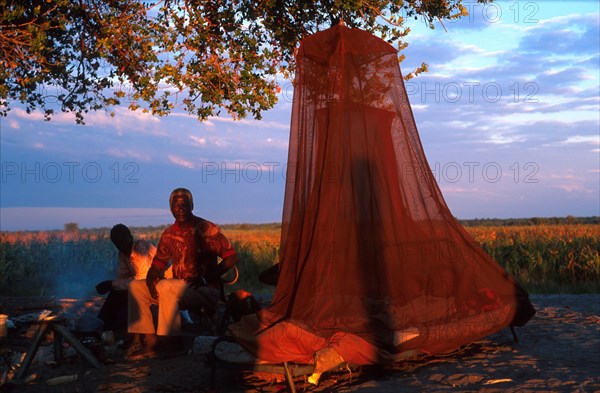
(546, 257)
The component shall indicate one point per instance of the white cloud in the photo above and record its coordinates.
(200, 141)
(14, 124)
(571, 187)
(419, 107)
(128, 153)
(457, 189)
(21, 113)
(219, 142)
(575, 18)
(588, 139)
(277, 143)
(181, 162)
(569, 181)
(124, 119)
(254, 123)
(503, 139)
(187, 116)
(576, 140)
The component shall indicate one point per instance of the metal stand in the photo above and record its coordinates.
(514, 334)
(60, 333)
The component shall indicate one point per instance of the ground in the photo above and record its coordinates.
(559, 350)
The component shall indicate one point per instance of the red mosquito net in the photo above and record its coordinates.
(372, 264)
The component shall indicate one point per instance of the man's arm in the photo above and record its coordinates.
(163, 253)
(219, 245)
(222, 268)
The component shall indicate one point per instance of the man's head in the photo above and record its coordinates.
(122, 238)
(181, 203)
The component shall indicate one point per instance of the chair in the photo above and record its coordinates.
(217, 315)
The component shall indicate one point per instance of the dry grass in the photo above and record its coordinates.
(546, 258)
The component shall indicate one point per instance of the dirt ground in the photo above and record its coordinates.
(559, 351)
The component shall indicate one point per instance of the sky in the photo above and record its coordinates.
(508, 114)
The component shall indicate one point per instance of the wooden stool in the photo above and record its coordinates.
(60, 333)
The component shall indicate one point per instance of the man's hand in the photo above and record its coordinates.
(152, 278)
(104, 287)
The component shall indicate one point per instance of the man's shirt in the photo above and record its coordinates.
(192, 249)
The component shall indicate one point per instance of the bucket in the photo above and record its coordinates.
(3, 327)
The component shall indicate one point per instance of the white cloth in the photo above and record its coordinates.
(173, 295)
(136, 266)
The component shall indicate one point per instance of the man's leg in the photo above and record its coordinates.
(203, 301)
(139, 312)
(169, 317)
(195, 299)
(174, 295)
(169, 293)
(114, 311)
(141, 322)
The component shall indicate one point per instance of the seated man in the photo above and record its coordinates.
(134, 260)
(192, 244)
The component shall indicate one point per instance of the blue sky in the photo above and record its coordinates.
(508, 115)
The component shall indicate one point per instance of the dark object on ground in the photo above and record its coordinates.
(240, 303)
(270, 276)
(103, 287)
(114, 311)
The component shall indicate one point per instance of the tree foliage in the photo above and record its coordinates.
(204, 56)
